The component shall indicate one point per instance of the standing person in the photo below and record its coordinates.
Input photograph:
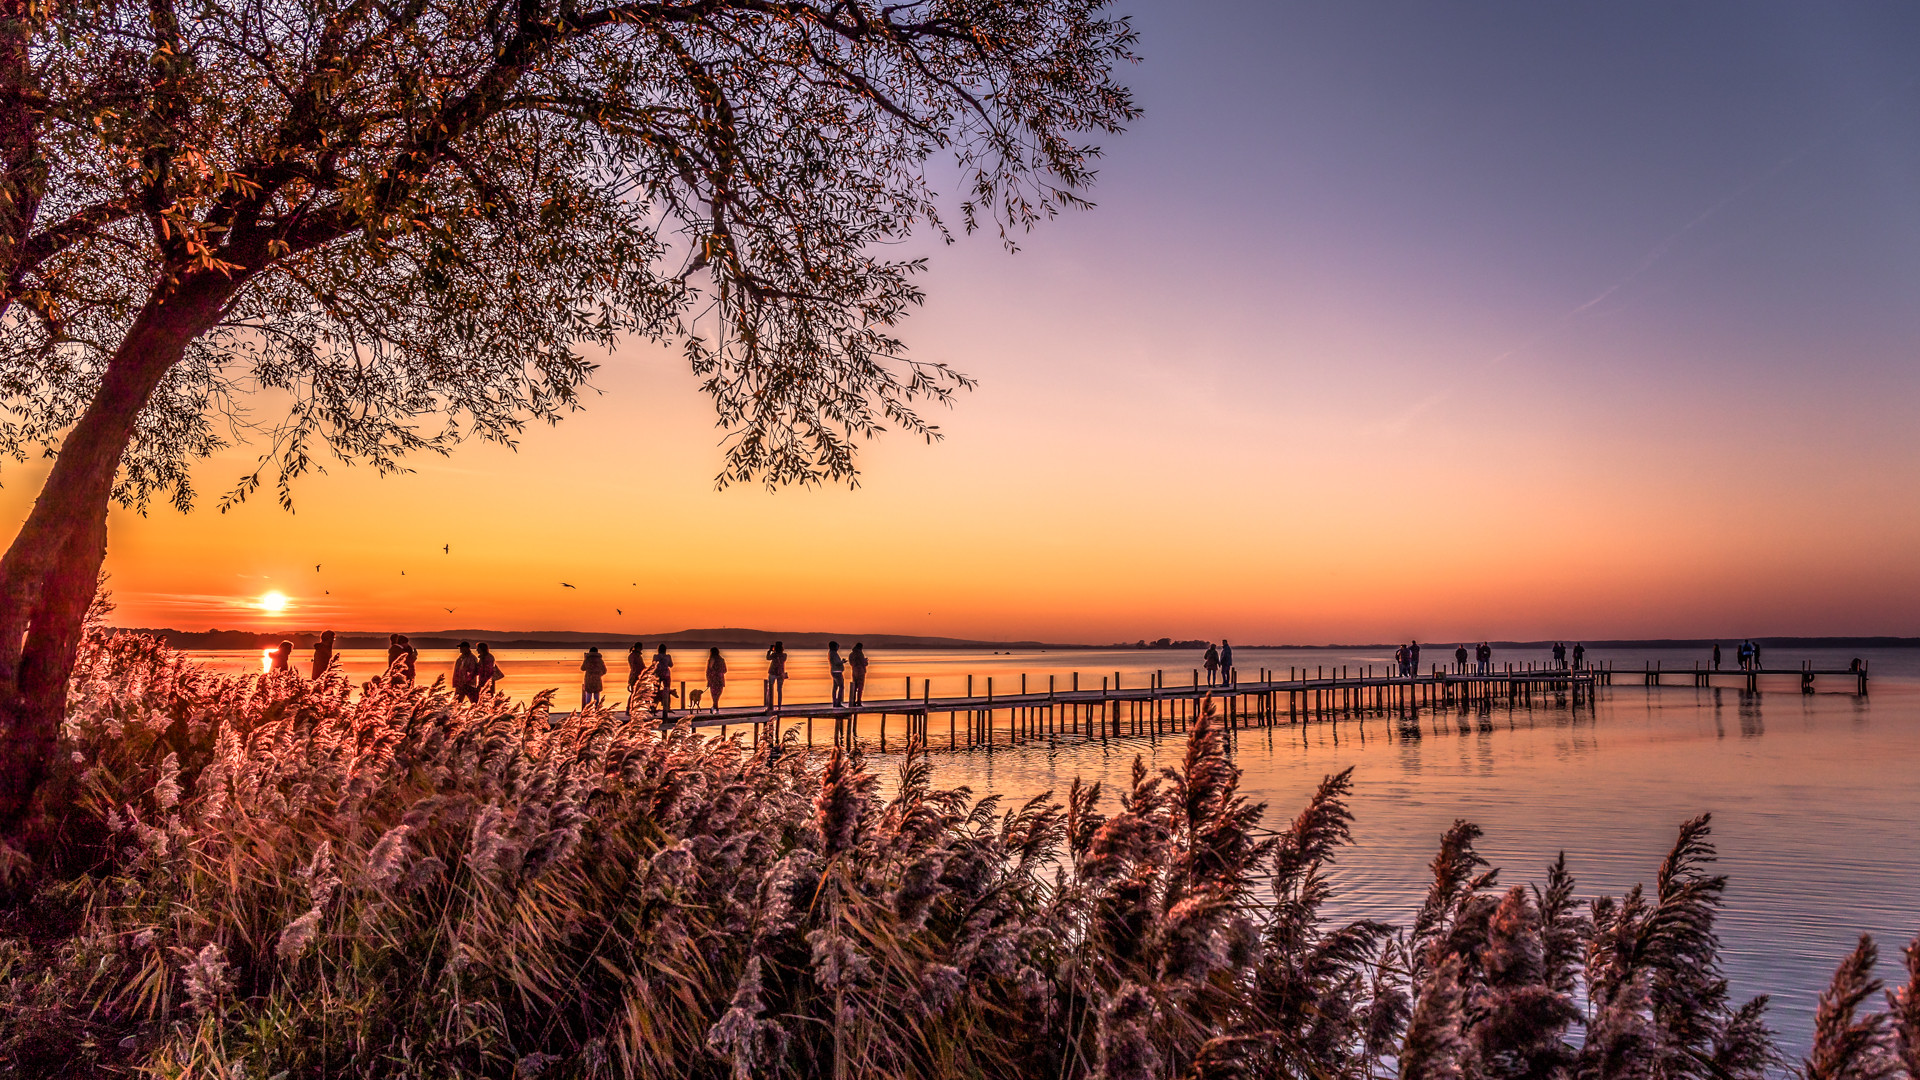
(409, 659)
(837, 667)
(1579, 656)
(322, 653)
(857, 660)
(1226, 661)
(1485, 655)
(1716, 656)
(282, 658)
(466, 674)
(1559, 654)
(636, 667)
(716, 676)
(1744, 655)
(396, 648)
(592, 686)
(1460, 658)
(490, 673)
(663, 671)
(777, 675)
(1212, 660)
(1413, 658)
(1757, 666)
(1400, 661)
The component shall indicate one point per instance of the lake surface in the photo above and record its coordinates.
(1815, 798)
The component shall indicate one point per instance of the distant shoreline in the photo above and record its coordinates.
(730, 637)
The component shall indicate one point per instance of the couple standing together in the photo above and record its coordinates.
(474, 670)
(1219, 663)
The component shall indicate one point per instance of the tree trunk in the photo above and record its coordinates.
(48, 576)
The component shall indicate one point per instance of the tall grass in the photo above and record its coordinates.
(274, 877)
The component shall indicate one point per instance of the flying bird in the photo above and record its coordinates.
(329, 592)
(316, 568)
(617, 611)
(447, 548)
(449, 611)
(568, 585)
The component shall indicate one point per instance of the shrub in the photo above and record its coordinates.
(268, 876)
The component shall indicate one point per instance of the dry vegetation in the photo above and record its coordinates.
(273, 877)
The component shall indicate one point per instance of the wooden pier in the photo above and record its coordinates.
(987, 715)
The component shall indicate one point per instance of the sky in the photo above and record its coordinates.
(1437, 321)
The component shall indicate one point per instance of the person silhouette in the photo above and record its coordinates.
(1460, 659)
(1226, 661)
(466, 674)
(409, 659)
(1716, 656)
(663, 671)
(716, 676)
(636, 666)
(282, 657)
(594, 669)
(396, 648)
(1212, 661)
(837, 668)
(322, 653)
(1579, 656)
(857, 660)
(777, 674)
(490, 673)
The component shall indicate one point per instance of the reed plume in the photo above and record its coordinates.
(269, 876)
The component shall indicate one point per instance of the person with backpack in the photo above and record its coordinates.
(490, 673)
(466, 674)
(592, 682)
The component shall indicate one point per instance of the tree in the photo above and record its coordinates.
(398, 223)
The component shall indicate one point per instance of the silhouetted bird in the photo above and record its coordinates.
(566, 585)
(316, 568)
(447, 548)
(449, 611)
(617, 611)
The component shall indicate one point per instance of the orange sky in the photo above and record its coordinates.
(1453, 348)
(1101, 487)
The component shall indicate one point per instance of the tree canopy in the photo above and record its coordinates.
(408, 222)
(412, 219)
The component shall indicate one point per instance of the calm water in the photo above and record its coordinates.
(1814, 797)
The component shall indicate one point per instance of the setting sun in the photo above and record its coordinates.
(273, 603)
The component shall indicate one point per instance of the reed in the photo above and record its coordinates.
(268, 877)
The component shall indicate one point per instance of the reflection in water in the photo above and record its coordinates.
(1751, 721)
(1813, 816)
